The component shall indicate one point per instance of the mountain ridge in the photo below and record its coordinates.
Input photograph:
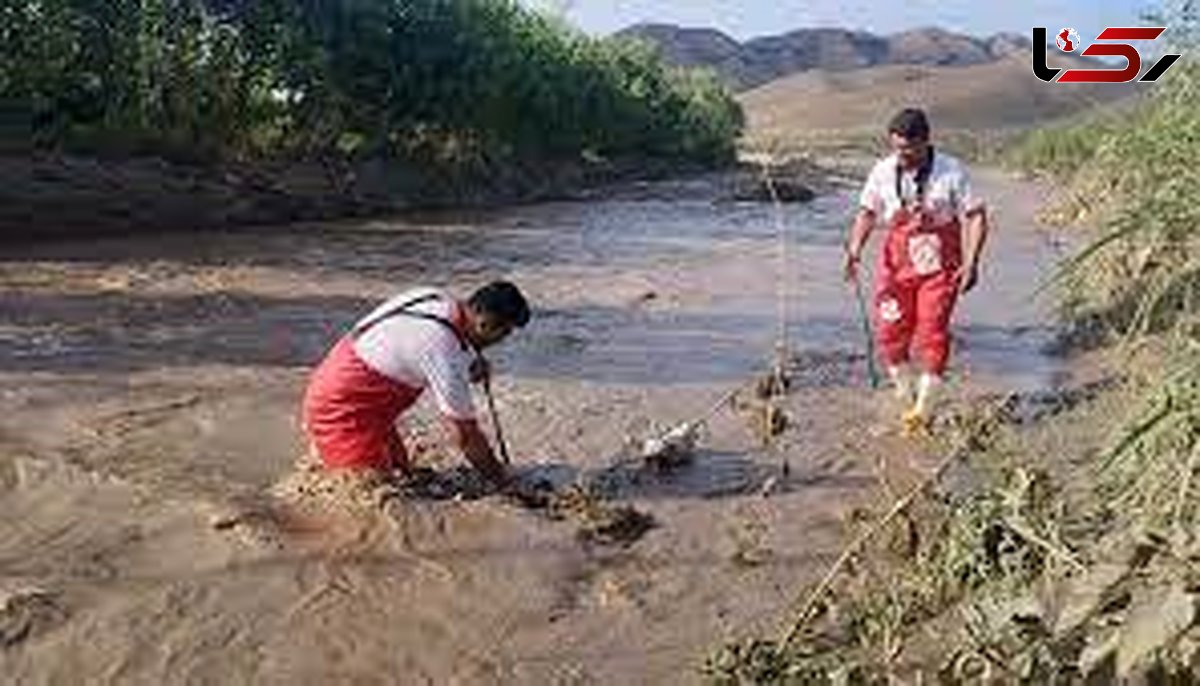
(760, 60)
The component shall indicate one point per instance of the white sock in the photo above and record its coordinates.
(901, 382)
(927, 393)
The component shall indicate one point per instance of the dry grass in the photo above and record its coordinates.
(1013, 569)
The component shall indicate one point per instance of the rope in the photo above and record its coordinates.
(782, 348)
(781, 288)
(778, 370)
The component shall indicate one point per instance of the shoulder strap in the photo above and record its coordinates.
(923, 174)
(403, 310)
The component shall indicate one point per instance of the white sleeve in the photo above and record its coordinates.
(871, 197)
(965, 200)
(447, 376)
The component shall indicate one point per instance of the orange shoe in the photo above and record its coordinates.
(915, 424)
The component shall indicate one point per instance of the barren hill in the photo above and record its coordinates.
(997, 95)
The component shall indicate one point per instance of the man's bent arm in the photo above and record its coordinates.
(860, 231)
(976, 231)
(976, 235)
(476, 449)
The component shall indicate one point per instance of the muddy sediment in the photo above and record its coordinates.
(148, 424)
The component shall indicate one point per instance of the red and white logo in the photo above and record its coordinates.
(1068, 41)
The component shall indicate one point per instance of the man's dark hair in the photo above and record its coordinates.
(910, 123)
(501, 299)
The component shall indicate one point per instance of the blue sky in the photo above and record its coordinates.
(748, 18)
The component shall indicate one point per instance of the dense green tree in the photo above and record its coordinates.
(454, 78)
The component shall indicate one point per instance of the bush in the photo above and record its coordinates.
(235, 79)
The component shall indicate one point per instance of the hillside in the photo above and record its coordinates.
(998, 95)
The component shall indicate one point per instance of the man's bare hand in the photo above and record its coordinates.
(856, 242)
(481, 370)
(850, 267)
(478, 451)
(975, 235)
(967, 277)
(493, 470)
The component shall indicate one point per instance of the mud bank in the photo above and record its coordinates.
(56, 197)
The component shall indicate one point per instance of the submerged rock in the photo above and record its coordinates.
(788, 181)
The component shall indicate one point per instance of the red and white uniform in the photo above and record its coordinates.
(413, 342)
(915, 283)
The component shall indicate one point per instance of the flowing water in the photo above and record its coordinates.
(149, 387)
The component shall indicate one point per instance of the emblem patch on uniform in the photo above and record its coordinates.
(889, 311)
(925, 253)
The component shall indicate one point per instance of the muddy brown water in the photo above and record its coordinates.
(150, 384)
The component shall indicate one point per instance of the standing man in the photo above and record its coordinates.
(422, 339)
(936, 229)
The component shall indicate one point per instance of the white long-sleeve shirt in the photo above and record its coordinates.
(421, 353)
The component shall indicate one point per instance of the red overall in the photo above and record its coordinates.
(916, 288)
(350, 409)
(350, 412)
